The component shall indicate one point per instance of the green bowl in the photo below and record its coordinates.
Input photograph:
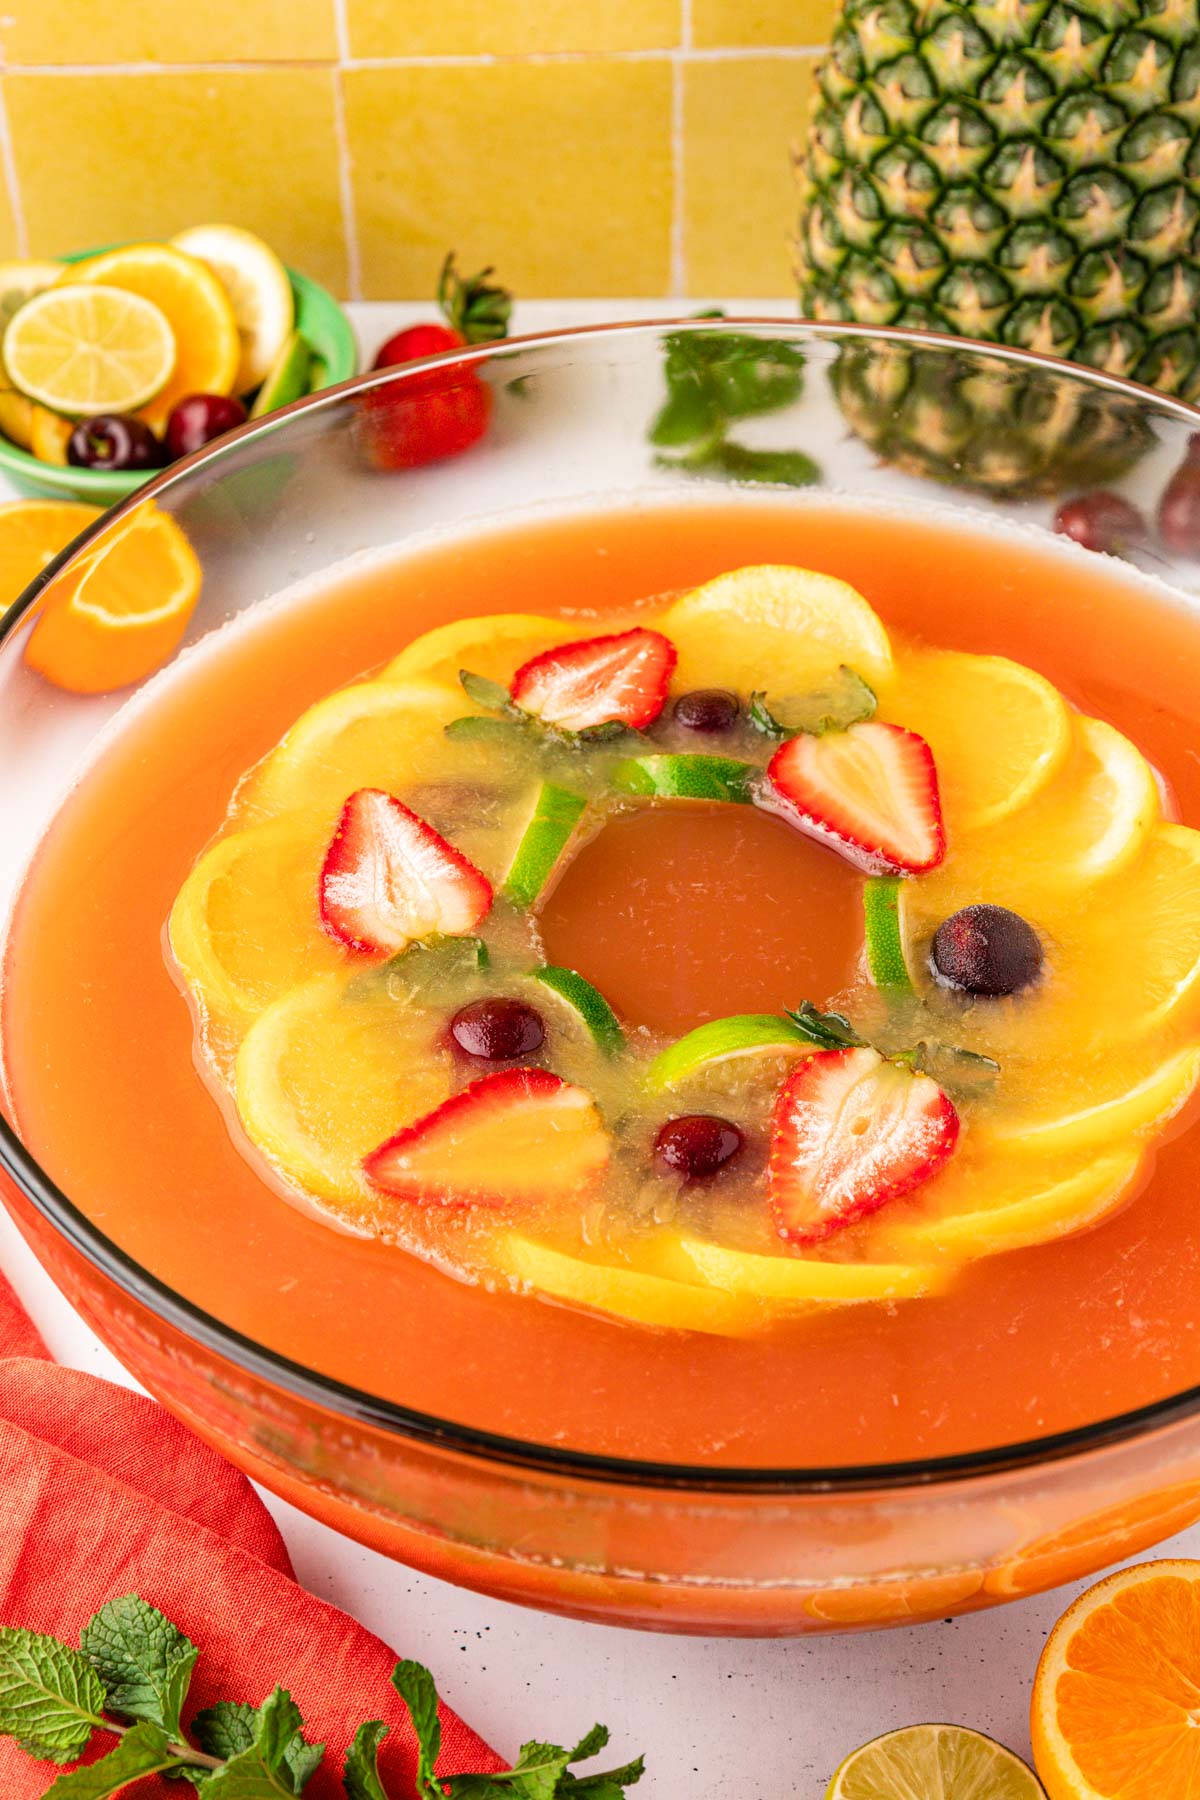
(318, 316)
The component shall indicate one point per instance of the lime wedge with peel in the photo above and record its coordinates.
(687, 777)
(927, 1760)
(886, 962)
(556, 812)
(744, 1034)
(586, 1000)
(289, 377)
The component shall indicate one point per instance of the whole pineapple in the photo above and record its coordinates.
(1022, 171)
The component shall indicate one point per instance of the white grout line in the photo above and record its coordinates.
(8, 163)
(345, 172)
(687, 53)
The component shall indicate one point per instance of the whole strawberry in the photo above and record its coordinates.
(430, 417)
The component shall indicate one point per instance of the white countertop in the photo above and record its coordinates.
(715, 1716)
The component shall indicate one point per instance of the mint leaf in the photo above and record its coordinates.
(778, 468)
(360, 1772)
(611, 1781)
(843, 701)
(143, 1660)
(485, 692)
(474, 726)
(51, 1698)
(538, 1770)
(144, 1750)
(226, 1729)
(415, 1686)
(828, 1030)
(279, 1761)
(590, 1744)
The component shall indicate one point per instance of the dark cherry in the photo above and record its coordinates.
(1101, 521)
(198, 419)
(697, 1144)
(986, 950)
(706, 709)
(498, 1030)
(114, 441)
(1179, 509)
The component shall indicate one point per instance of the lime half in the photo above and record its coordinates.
(927, 1760)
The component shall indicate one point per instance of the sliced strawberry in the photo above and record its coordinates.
(518, 1136)
(389, 878)
(850, 1132)
(597, 681)
(870, 792)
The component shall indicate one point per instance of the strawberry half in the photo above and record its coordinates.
(520, 1135)
(870, 791)
(850, 1132)
(598, 681)
(389, 878)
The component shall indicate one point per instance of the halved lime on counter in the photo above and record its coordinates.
(556, 813)
(687, 777)
(593, 1009)
(743, 1034)
(288, 379)
(944, 1760)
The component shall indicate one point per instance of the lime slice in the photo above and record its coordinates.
(687, 778)
(885, 943)
(260, 293)
(556, 813)
(946, 1760)
(744, 1034)
(85, 349)
(588, 1002)
(288, 378)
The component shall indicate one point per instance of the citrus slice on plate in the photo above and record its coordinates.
(121, 612)
(796, 624)
(259, 291)
(208, 349)
(244, 928)
(1117, 1689)
(998, 731)
(32, 532)
(946, 1761)
(1109, 1536)
(323, 1077)
(496, 647)
(86, 349)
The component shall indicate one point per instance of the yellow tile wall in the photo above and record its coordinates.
(605, 147)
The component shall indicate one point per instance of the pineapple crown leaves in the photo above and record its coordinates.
(129, 1679)
(475, 306)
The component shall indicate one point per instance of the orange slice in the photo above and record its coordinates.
(121, 613)
(49, 433)
(908, 1599)
(196, 307)
(32, 532)
(1104, 1537)
(1117, 1691)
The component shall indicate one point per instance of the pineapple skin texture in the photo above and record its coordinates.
(1024, 172)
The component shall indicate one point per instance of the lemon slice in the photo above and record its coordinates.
(807, 1278)
(1142, 1106)
(259, 291)
(86, 349)
(495, 647)
(795, 624)
(946, 1760)
(324, 1077)
(998, 731)
(625, 1293)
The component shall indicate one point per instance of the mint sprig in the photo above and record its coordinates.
(845, 700)
(513, 720)
(964, 1074)
(129, 1680)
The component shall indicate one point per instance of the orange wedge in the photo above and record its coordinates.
(32, 532)
(121, 612)
(1117, 1692)
(1103, 1538)
(194, 304)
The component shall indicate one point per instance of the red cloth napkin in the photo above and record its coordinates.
(103, 1493)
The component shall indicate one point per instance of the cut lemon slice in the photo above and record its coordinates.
(85, 349)
(496, 647)
(244, 928)
(998, 731)
(121, 613)
(259, 291)
(196, 306)
(324, 1077)
(32, 532)
(1114, 1699)
(1141, 1107)
(926, 1760)
(798, 626)
(798, 1278)
(625, 1293)
(981, 1207)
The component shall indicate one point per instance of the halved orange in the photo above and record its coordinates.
(1102, 1538)
(121, 612)
(208, 349)
(1116, 1698)
(32, 532)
